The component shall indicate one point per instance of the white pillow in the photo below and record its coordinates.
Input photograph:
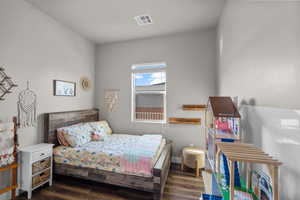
(77, 135)
(101, 127)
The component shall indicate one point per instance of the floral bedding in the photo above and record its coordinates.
(127, 154)
(80, 134)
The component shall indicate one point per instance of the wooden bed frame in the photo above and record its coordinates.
(154, 184)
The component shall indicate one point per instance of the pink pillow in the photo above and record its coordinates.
(95, 136)
(61, 139)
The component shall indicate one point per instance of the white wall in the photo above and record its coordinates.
(191, 78)
(34, 47)
(259, 48)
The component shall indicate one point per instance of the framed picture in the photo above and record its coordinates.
(64, 88)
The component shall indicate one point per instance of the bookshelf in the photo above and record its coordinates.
(226, 155)
(222, 121)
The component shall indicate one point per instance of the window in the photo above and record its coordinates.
(149, 93)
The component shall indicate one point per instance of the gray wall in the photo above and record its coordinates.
(191, 78)
(259, 48)
(34, 47)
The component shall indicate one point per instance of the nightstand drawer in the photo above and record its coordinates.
(41, 165)
(41, 178)
(39, 155)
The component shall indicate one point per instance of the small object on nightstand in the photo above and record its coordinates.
(193, 157)
(36, 167)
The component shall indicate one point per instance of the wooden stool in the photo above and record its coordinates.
(193, 157)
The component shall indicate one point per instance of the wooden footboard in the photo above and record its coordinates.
(103, 176)
(161, 171)
(154, 184)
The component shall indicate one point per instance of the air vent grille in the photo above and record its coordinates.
(142, 20)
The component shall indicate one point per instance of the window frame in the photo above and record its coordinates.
(134, 92)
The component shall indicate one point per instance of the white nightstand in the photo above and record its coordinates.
(36, 167)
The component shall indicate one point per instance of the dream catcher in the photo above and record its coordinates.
(27, 108)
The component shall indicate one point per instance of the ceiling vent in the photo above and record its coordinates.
(142, 20)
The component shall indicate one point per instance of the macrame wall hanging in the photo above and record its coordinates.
(6, 84)
(27, 108)
(111, 99)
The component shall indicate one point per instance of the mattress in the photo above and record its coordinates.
(121, 153)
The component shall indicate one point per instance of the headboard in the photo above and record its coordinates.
(53, 121)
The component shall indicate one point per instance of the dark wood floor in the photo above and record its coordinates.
(180, 186)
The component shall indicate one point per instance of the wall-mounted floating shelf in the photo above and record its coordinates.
(194, 107)
(191, 121)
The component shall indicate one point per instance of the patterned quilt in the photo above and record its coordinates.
(127, 154)
(6, 143)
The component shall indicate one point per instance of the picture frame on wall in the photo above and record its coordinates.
(64, 88)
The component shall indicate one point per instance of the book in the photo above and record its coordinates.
(261, 185)
(240, 195)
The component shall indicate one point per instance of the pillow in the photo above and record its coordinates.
(95, 136)
(101, 127)
(77, 135)
(61, 139)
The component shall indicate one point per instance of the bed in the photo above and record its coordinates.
(113, 169)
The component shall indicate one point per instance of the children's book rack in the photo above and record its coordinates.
(228, 160)
(222, 121)
(13, 166)
(247, 153)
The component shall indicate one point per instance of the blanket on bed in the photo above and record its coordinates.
(128, 154)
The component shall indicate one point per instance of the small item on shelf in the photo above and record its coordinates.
(240, 195)
(211, 197)
(261, 185)
(255, 183)
(221, 123)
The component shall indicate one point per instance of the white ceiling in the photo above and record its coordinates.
(104, 21)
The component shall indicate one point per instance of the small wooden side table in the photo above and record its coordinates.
(193, 157)
(36, 167)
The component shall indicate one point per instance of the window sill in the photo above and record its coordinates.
(148, 121)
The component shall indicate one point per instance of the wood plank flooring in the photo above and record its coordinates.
(180, 186)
